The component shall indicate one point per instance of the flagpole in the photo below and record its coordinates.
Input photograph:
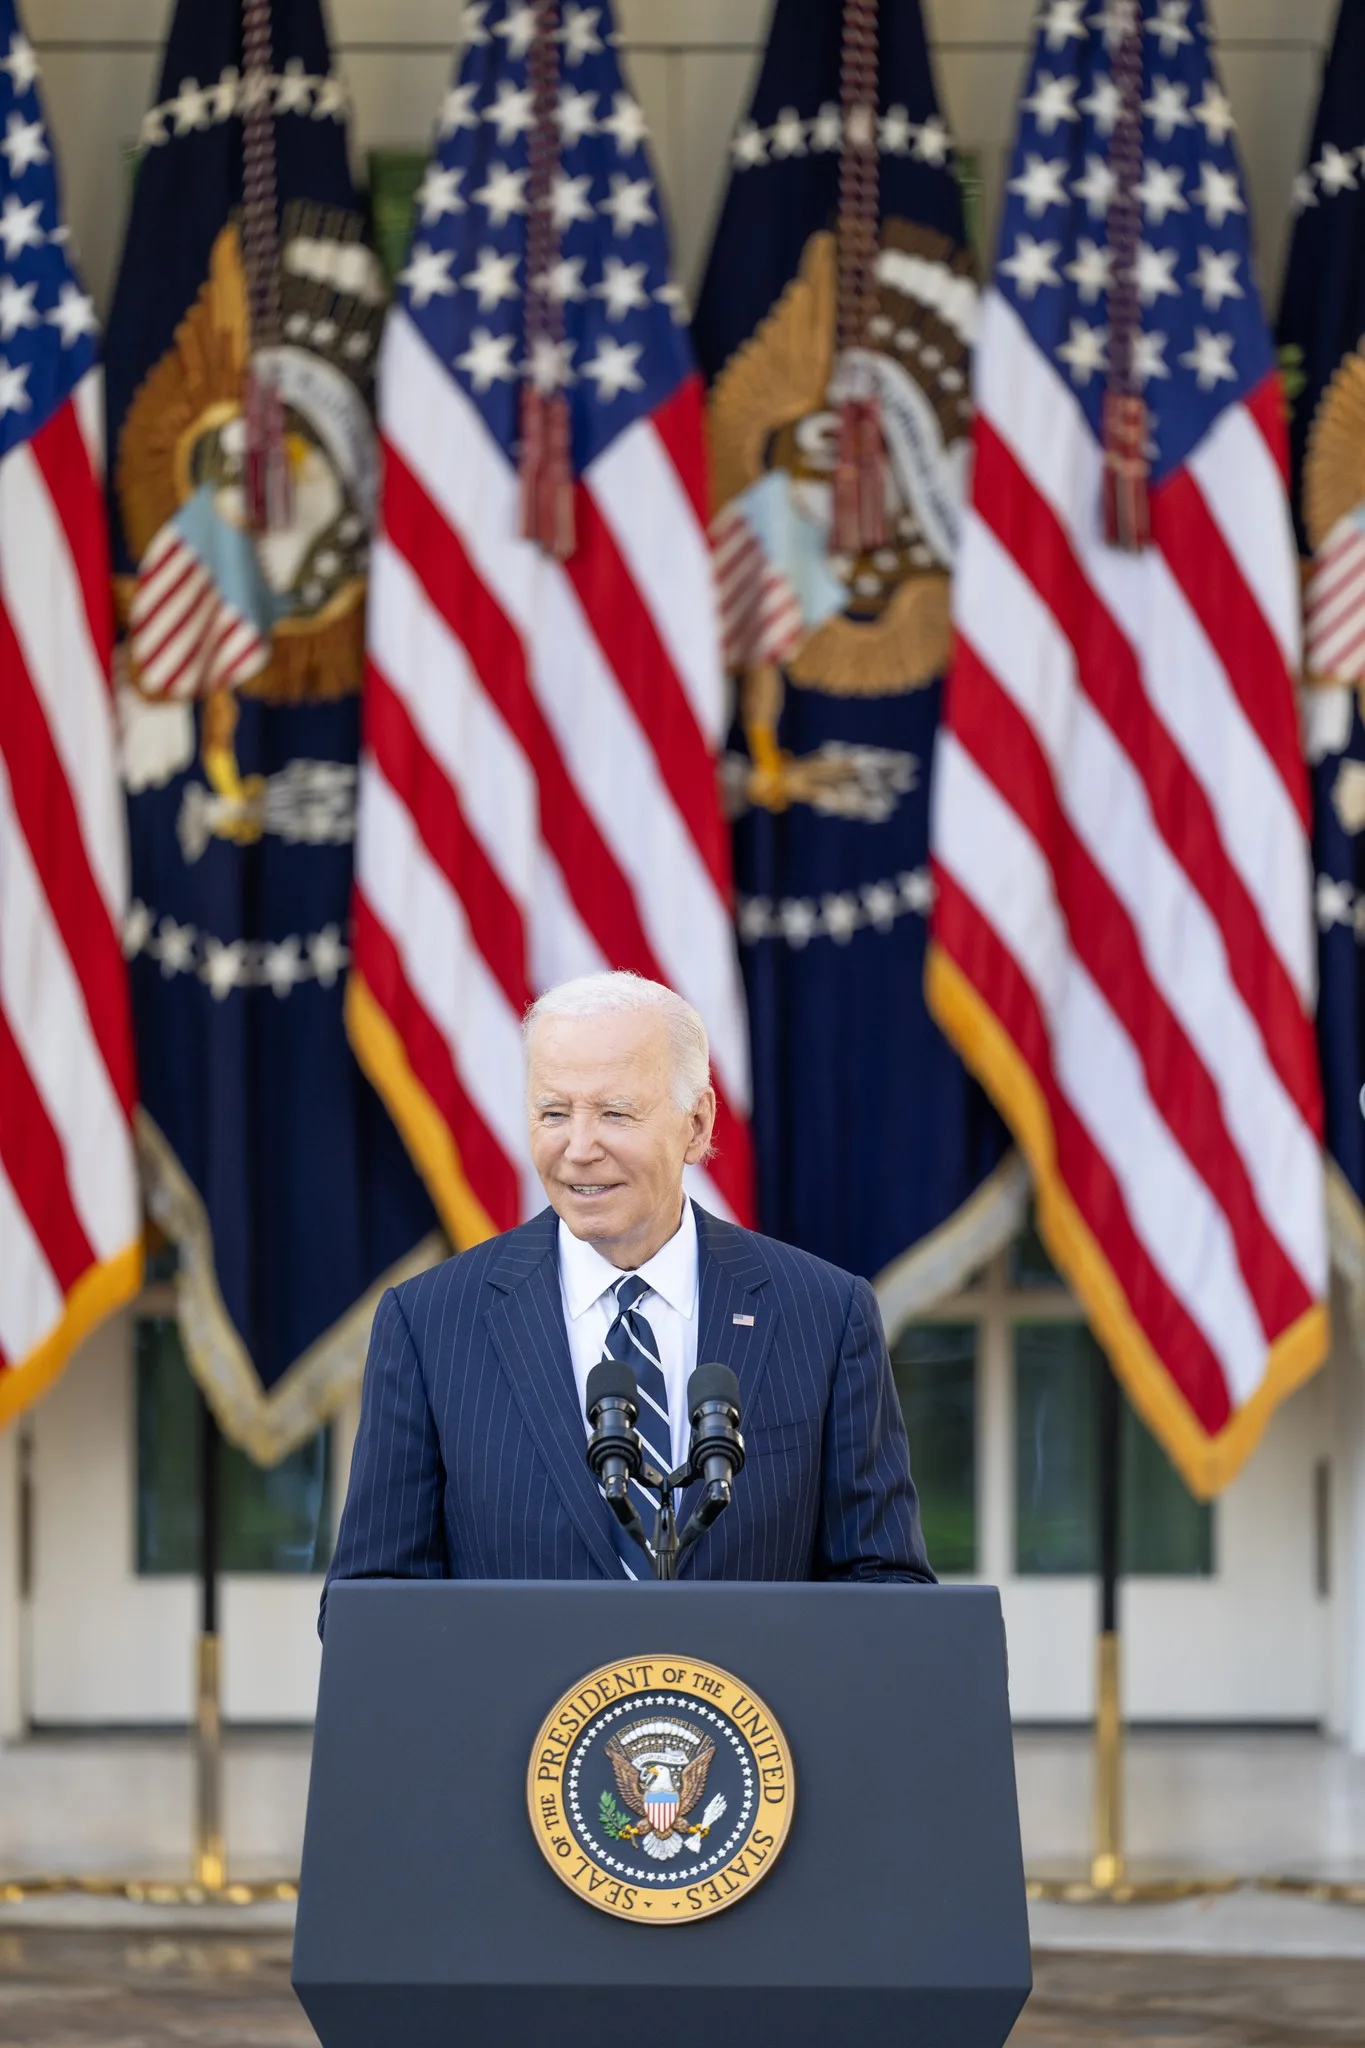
(210, 1864)
(1106, 1863)
(1106, 1880)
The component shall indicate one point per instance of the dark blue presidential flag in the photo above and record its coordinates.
(835, 329)
(1322, 321)
(240, 358)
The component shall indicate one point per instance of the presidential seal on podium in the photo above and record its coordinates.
(660, 1789)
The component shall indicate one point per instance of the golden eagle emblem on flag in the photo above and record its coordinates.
(874, 621)
(1334, 516)
(774, 408)
(220, 604)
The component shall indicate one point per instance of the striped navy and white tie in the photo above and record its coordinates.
(631, 1338)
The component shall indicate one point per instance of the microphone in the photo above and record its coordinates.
(612, 1403)
(717, 1446)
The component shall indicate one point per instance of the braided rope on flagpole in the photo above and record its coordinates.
(260, 235)
(858, 182)
(269, 494)
(1127, 520)
(545, 459)
(859, 517)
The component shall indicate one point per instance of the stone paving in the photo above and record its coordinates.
(1093, 2001)
(83, 1989)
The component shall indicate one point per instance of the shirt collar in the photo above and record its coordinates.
(671, 1273)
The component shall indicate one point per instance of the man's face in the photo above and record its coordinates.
(608, 1140)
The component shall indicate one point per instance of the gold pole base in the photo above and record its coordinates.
(1082, 1889)
(151, 1891)
(1334, 1891)
(209, 1861)
(1106, 1864)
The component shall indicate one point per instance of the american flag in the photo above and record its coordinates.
(538, 795)
(1334, 605)
(70, 1225)
(1123, 940)
(186, 637)
(760, 612)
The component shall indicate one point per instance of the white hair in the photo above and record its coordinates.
(607, 995)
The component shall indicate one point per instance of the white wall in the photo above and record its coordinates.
(94, 1657)
(1251, 1643)
(106, 1646)
(1255, 1641)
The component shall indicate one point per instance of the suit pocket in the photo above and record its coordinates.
(767, 1438)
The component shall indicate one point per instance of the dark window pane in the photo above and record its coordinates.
(967, 165)
(167, 1451)
(1054, 1434)
(1164, 1530)
(935, 1368)
(270, 1521)
(395, 175)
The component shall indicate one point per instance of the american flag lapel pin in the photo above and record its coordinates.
(743, 1322)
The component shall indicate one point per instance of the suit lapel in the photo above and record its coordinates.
(733, 1282)
(526, 1323)
(731, 1275)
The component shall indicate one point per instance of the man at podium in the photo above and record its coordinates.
(470, 1460)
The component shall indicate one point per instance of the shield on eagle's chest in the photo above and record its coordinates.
(661, 1806)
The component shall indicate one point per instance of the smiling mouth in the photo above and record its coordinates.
(592, 1187)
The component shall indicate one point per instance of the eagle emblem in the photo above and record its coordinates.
(660, 1769)
(217, 610)
(869, 626)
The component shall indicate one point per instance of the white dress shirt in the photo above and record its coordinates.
(670, 1308)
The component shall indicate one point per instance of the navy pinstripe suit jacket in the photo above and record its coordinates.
(470, 1458)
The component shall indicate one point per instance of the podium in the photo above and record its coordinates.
(430, 1908)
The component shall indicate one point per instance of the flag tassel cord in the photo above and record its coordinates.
(1126, 509)
(269, 486)
(858, 522)
(545, 455)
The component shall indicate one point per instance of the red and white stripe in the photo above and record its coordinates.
(760, 612)
(1121, 846)
(538, 791)
(68, 1186)
(184, 637)
(1334, 604)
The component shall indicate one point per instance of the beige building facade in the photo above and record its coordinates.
(1253, 1613)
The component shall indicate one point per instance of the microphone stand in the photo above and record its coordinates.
(716, 1455)
(668, 1549)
